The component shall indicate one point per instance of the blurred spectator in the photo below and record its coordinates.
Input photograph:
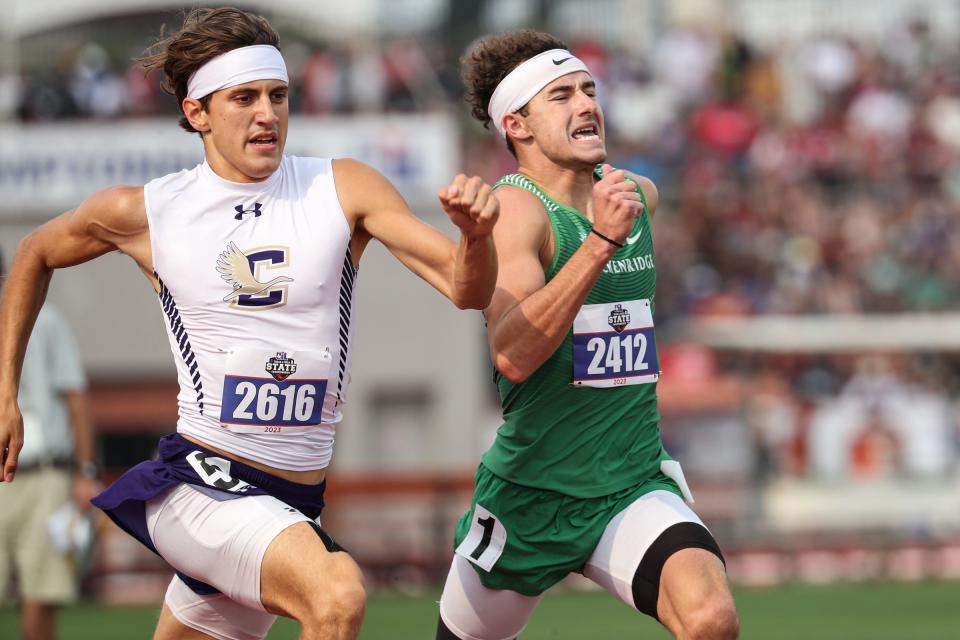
(323, 83)
(772, 416)
(881, 425)
(44, 529)
(96, 89)
(684, 58)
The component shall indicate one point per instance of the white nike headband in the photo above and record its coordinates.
(246, 64)
(527, 79)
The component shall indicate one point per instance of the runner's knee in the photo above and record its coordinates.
(339, 599)
(304, 578)
(339, 604)
(715, 619)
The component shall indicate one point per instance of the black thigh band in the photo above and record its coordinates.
(328, 542)
(646, 581)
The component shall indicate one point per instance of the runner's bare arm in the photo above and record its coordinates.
(108, 220)
(649, 191)
(464, 273)
(529, 317)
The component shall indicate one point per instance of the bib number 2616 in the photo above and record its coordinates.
(283, 395)
(267, 402)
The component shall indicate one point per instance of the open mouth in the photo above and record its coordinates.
(265, 139)
(587, 133)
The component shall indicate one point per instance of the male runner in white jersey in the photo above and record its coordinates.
(577, 479)
(254, 255)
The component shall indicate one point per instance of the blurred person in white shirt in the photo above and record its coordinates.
(56, 467)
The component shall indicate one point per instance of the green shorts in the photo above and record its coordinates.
(527, 539)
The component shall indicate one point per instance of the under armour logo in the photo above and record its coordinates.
(240, 211)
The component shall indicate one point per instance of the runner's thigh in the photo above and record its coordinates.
(648, 525)
(219, 542)
(189, 616)
(309, 577)
(473, 612)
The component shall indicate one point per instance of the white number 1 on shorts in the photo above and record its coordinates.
(485, 540)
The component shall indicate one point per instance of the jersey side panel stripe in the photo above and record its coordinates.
(176, 325)
(346, 306)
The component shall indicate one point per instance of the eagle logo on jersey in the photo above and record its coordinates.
(241, 270)
(619, 318)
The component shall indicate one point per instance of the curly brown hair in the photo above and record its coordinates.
(492, 59)
(204, 35)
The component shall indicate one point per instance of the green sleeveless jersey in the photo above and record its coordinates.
(586, 422)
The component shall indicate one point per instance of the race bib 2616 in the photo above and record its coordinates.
(267, 391)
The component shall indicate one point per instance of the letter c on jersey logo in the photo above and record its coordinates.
(251, 290)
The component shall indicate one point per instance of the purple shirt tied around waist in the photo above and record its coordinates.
(181, 460)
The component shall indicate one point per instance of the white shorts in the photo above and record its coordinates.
(471, 611)
(222, 543)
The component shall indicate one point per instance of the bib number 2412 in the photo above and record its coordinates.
(614, 345)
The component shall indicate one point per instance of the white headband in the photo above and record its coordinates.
(527, 79)
(246, 64)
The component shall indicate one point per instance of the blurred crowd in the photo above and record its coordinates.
(820, 177)
(89, 79)
(817, 176)
(879, 416)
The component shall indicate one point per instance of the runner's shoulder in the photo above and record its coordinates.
(518, 201)
(648, 188)
(120, 208)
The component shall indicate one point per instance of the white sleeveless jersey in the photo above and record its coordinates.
(256, 283)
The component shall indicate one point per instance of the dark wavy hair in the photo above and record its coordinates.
(492, 58)
(204, 35)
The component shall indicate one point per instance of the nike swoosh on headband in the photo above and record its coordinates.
(561, 60)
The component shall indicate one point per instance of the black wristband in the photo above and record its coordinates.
(619, 245)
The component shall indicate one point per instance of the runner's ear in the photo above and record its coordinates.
(514, 127)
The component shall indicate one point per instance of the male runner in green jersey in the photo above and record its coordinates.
(577, 479)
